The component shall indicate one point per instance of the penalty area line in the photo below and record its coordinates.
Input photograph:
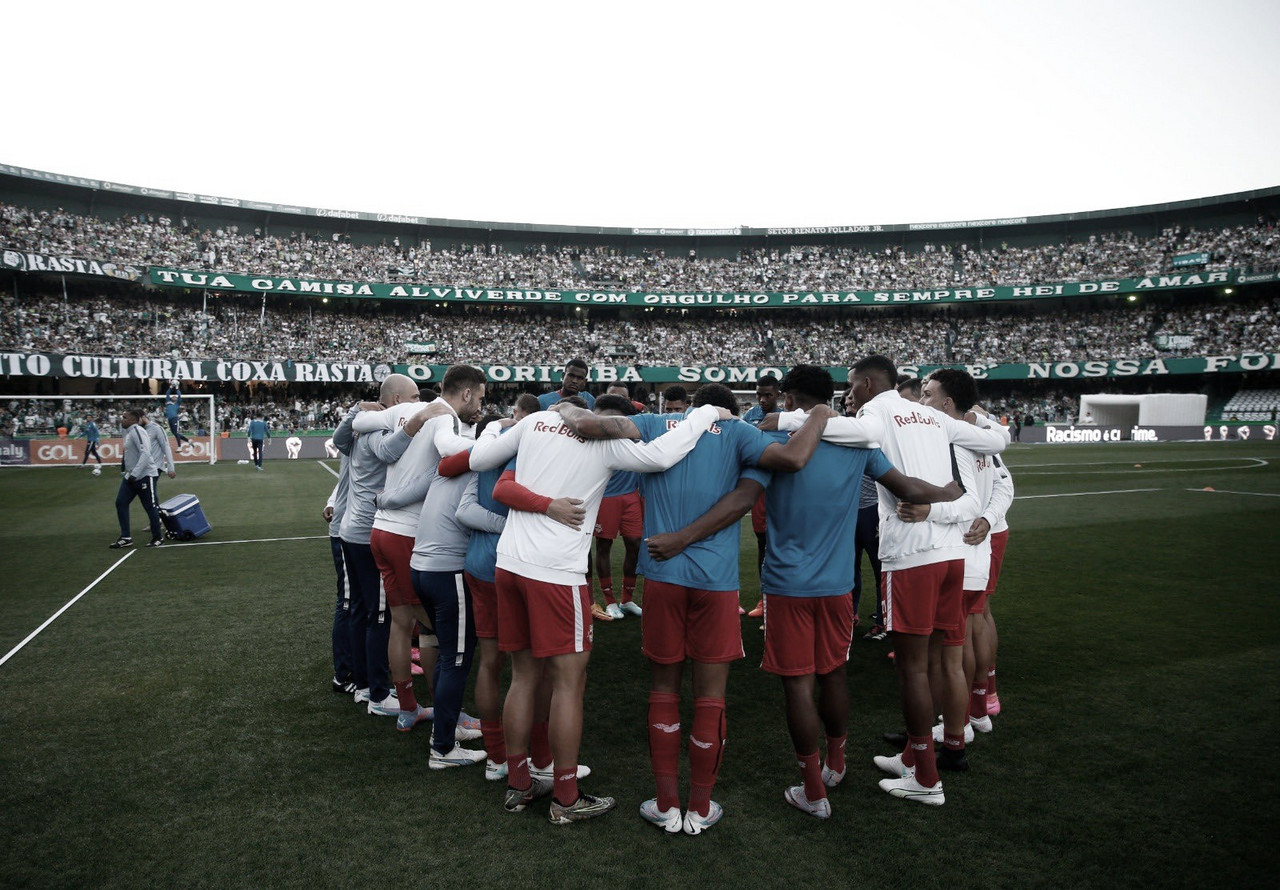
(31, 636)
(1082, 494)
(1256, 494)
(245, 541)
(329, 468)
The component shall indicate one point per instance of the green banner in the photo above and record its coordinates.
(264, 284)
(745, 377)
(48, 364)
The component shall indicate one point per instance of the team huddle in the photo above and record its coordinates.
(475, 534)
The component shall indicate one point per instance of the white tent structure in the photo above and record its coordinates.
(1162, 409)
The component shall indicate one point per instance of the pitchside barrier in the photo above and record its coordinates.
(1064, 434)
(58, 452)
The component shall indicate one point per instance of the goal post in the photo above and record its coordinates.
(50, 430)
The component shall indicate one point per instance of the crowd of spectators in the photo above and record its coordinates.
(155, 239)
(236, 328)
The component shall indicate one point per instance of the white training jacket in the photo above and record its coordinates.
(438, 438)
(993, 487)
(554, 462)
(917, 440)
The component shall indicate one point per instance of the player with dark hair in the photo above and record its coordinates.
(526, 404)
(954, 392)
(909, 387)
(808, 608)
(621, 512)
(675, 400)
(766, 403)
(137, 469)
(923, 562)
(574, 383)
(691, 598)
(543, 600)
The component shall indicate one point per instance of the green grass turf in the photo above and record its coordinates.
(175, 726)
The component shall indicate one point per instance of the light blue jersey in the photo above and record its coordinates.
(812, 517)
(676, 497)
(482, 548)
(258, 430)
(547, 399)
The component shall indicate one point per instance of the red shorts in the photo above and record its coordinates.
(758, 523)
(547, 619)
(686, 622)
(806, 634)
(623, 514)
(975, 602)
(392, 553)
(923, 599)
(999, 541)
(484, 606)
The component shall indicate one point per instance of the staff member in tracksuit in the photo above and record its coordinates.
(91, 437)
(137, 482)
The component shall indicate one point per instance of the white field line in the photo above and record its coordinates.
(329, 468)
(31, 636)
(1257, 494)
(245, 541)
(1081, 494)
(1126, 466)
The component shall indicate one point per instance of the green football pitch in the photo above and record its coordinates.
(174, 725)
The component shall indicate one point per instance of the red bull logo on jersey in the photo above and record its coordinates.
(916, 417)
(559, 429)
(715, 427)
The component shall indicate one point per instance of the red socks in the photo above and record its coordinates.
(811, 772)
(628, 588)
(991, 681)
(706, 749)
(495, 740)
(664, 746)
(404, 691)
(978, 701)
(540, 746)
(566, 790)
(920, 748)
(606, 588)
(518, 771)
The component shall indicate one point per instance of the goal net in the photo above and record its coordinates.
(54, 430)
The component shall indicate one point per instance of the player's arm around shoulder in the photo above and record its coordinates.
(668, 449)
(982, 435)
(590, 425)
(799, 448)
(492, 450)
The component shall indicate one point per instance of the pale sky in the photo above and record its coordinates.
(698, 113)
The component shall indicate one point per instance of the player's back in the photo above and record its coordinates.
(812, 515)
(676, 497)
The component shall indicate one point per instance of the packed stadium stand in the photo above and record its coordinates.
(1131, 300)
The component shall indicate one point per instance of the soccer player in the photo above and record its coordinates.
(866, 539)
(574, 383)
(334, 509)
(767, 403)
(172, 404)
(368, 456)
(675, 399)
(91, 438)
(909, 387)
(691, 599)
(258, 433)
(621, 512)
(543, 597)
(138, 481)
(923, 562)
(954, 392)
(808, 606)
(396, 524)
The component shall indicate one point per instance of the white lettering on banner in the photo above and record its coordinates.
(1072, 435)
(55, 451)
(1138, 434)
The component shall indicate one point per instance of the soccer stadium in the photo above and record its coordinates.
(945, 548)
(182, 699)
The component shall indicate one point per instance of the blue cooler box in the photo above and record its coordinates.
(182, 517)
